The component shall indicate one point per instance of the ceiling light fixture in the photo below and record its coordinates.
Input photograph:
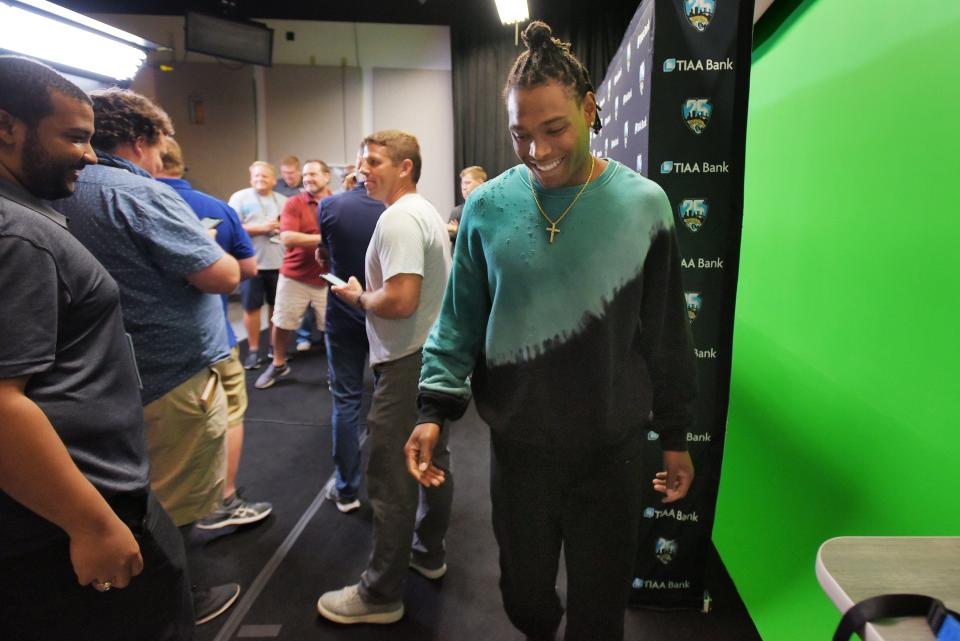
(71, 41)
(513, 12)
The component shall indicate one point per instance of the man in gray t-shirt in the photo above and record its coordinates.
(407, 264)
(259, 208)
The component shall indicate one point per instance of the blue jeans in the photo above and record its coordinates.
(347, 358)
(306, 326)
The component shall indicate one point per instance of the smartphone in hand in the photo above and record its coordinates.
(333, 280)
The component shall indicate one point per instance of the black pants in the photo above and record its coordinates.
(40, 599)
(591, 508)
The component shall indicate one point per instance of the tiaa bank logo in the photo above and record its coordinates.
(693, 212)
(694, 304)
(700, 12)
(669, 65)
(666, 549)
(696, 113)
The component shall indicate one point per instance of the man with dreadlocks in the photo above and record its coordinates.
(569, 380)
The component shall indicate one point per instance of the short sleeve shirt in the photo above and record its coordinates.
(150, 240)
(231, 236)
(300, 263)
(255, 209)
(61, 326)
(282, 188)
(410, 238)
(347, 221)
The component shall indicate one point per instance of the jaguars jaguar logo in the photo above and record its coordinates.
(700, 13)
(696, 113)
(666, 549)
(693, 213)
(694, 304)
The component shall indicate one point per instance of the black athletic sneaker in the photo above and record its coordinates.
(209, 603)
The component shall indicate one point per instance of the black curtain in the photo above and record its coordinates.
(483, 51)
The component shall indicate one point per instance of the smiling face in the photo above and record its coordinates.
(57, 149)
(262, 179)
(315, 179)
(550, 132)
(386, 180)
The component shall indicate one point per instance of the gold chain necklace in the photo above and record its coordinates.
(553, 229)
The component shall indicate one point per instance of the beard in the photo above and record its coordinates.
(44, 176)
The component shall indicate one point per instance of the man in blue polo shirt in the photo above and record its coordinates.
(347, 221)
(229, 233)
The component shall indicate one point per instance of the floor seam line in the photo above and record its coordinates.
(233, 623)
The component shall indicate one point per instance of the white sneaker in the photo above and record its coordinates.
(347, 606)
(349, 506)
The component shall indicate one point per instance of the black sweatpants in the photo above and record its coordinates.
(592, 508)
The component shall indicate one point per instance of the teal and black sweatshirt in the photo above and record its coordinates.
(580, 343)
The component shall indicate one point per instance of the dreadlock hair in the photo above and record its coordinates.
(548, 58)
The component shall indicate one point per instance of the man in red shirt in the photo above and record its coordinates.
(300, 285)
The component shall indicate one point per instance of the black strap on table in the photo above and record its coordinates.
(889, 606)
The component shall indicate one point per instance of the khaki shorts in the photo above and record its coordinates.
(234, 382)
(293, 298)
(186, 437)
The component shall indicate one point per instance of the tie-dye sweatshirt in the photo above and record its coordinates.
(575, 344)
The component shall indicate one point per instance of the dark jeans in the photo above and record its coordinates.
(347, 359)
(40, 599)
(592, 509)
(407, 518)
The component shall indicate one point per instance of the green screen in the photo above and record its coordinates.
(845, 394)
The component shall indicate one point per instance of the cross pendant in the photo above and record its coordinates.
(553, 229)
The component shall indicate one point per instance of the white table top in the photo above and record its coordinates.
(853, 568)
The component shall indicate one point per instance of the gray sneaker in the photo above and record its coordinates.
(347, 606)
(253, 361)
(236, 511)
(271, 375)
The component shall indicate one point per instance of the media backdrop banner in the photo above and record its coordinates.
(674, 108)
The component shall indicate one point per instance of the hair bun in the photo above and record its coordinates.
(537, 35)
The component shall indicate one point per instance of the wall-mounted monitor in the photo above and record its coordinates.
(239, 40)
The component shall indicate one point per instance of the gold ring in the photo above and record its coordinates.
(102, 586)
